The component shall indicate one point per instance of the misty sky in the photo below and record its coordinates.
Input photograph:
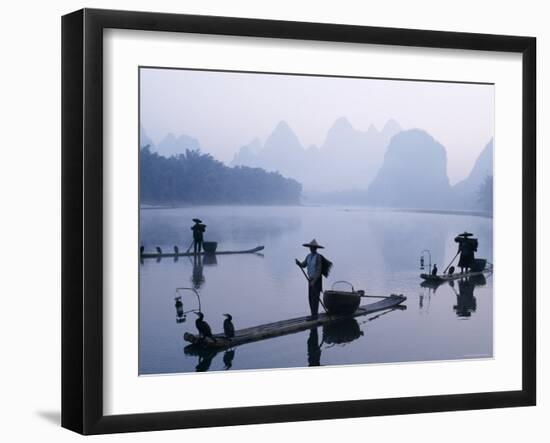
(227, 110)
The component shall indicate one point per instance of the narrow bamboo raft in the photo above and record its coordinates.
(190, 254)
(446, 277)
(285, 327)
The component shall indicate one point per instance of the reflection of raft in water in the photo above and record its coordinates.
(439, 279)
(477, 278)
(190, 254)
(290, 326)
(482, 267)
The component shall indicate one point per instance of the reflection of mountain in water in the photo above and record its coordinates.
(400, 243)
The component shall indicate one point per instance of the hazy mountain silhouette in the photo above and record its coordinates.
(171, 145)
(283, 152)
(144, 139)
(466, 192)
(388, 167)
(347, 159)
(248, 153)
(413, 174)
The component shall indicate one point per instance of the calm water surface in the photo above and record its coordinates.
(375, 250)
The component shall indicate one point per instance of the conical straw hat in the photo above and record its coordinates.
(313, 244)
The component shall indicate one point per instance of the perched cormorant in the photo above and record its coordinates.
(176, 250)
(203, 327)
(141, 249)
(434, 270)
(159, 250)
(228, 328)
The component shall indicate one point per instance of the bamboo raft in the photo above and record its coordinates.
(191, 254)
(291, 326)
(428, 278)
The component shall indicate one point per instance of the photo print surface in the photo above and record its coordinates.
(293, 221)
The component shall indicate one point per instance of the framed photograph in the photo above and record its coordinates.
(268, 221)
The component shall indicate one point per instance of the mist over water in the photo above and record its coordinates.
(375, 250)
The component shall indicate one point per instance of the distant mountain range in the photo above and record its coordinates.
(390, 167)
(347, 159)
(413, 174)
(466, 192)
(170, 145)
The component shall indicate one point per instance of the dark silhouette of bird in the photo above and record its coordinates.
(434, 270)
(228, 328)
(159, 250)
(176, 250)
(203, 327)
(141, 250)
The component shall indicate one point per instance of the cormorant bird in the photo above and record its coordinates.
(159, 250)
(228, 328)
(203, 327)
(176, 250)
(434, 270)
(141, 250)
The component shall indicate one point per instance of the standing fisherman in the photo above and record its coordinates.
(198, 235)
(317, 266)
(466, 246)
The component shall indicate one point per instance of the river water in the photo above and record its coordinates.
(375, 250)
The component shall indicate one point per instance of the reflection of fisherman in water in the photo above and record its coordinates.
(313, 348)
(198, 235)
(465, 301)
(337, 332)
(198, 277)
(466, 246)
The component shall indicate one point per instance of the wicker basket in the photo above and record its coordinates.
(210, 247)
(341, 302)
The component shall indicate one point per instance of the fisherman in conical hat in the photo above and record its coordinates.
(467, 247)
(314, 263)
(198, 235)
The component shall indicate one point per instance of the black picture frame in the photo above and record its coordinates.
(82, 218)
